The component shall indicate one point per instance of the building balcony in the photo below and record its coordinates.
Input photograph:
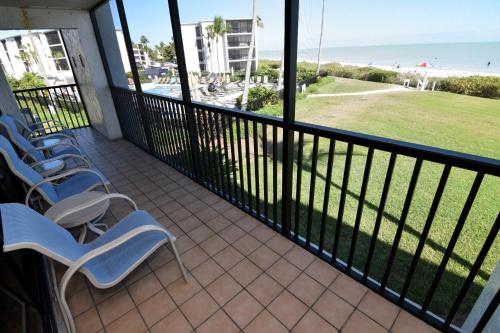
(243, 275)
(263, 234)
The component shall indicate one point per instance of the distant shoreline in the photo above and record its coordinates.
(431, 72)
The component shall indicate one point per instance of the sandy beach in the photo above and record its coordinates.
(431, 72)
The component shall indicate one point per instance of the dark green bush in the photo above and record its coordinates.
(375, 75)
(258, 97)
(306, 76)
(265, 69)
(481, 86)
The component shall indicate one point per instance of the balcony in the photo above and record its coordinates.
(260, 226)
(243, 274)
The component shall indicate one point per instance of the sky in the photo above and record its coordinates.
(347, 23)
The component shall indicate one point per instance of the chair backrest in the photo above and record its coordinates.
(25, 172)
(25, 228)
(9, 124)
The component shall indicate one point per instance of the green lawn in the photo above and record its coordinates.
(71, 114)
(331, 85)
(457, 122)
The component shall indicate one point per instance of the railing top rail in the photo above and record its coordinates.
(439, 155)
(268, 120)
(44, 88)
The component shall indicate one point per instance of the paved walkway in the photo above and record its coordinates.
(362, 93)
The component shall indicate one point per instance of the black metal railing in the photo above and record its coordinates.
(59, 104)
(361, 225)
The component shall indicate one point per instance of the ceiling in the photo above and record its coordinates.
(60, 4)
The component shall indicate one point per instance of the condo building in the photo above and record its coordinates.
(227, 53)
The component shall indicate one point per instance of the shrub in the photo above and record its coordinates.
(376, 75)
(306, 76)
(265, 69)
(28, 80)
(258, 97)
(481, 86)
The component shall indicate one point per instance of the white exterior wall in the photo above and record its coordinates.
(98, 100)
(190, 49)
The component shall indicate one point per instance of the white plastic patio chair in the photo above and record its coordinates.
(105, 261)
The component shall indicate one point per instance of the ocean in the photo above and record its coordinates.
(450, 56)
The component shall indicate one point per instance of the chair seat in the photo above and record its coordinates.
(49, 168)
(112, 266)
(68, 150)
(78, 183)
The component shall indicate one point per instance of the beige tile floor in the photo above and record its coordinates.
(243, 276)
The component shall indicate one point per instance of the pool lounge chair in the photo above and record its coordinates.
(106, 261)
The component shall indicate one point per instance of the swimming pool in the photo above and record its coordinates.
(170, 90)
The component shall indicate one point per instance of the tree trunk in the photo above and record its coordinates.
(320, 37)
(280, 77)
(244, 99)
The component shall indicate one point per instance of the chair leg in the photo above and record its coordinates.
(178, 259)
(83, 233)
(64, 304)
(58, 296)
(92, 227)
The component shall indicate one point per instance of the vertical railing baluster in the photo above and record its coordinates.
(298, 186)
(361, 203)
(380, 214)
(256, 166)
(312, 189)
(240, 163)
(214, 154)
(453, 241)
(266, 185)
(340, 215)
(233, 162)
(248, 167)
(275, 177)
(220, 156)
(326, 197)
(226, 158)
(402, 221)
(208, 152)
(488, 313)
(425, 232)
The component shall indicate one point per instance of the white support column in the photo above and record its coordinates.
(8, 102)
(482, 303)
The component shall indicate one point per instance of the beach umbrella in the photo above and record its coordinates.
(424, 65)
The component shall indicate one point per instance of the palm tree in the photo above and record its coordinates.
(210, 37)
(320, 37)
(256, 22)
(220, 29)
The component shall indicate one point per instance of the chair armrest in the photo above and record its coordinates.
(54, 135)
(64, 175)
(94, 202)
(42, 132)
(53, 121)
(63, 157)
(49, 147)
